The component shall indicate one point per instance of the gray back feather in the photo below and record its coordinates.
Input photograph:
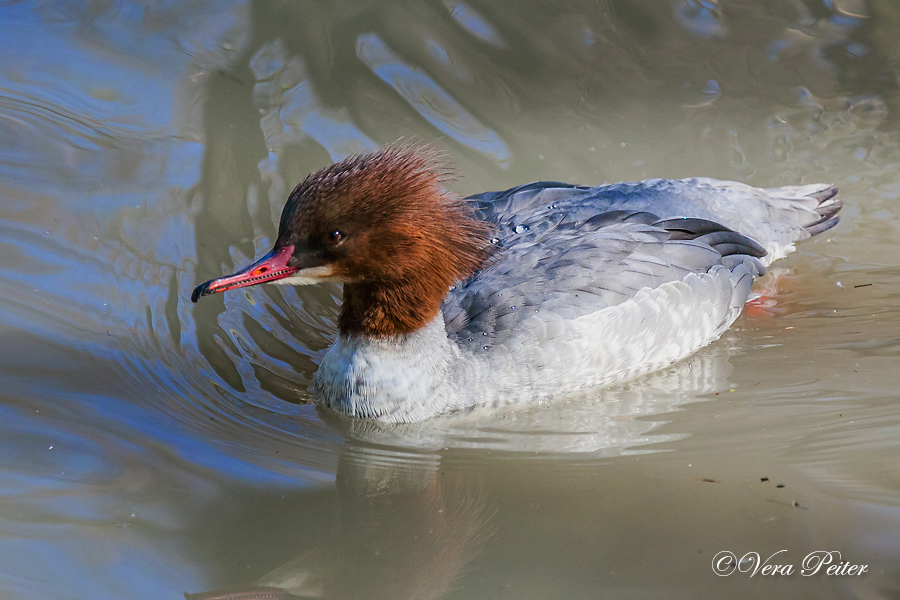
(572, 250)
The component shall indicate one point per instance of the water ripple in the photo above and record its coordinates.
(429, 99)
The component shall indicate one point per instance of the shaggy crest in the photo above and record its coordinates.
(384, 225)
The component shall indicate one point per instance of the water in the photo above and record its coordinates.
(149, 447)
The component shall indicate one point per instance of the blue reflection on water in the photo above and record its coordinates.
(292, 111)
(106, 400)
(474, 23)
(85, 511)
(701, 17)
(110, 570)
(429, 99)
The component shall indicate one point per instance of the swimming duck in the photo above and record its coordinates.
(515, 296)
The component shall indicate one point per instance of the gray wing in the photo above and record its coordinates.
(573, 250)
(773, 217)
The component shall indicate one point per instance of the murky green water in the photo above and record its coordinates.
(149, 447)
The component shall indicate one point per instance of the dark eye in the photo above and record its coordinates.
(333, 238)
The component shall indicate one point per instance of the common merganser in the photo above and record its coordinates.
(505, 297)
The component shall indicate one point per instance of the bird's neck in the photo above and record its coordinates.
(384, 310)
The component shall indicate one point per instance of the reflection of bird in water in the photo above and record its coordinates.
(406, 532)
(558, 287)
(409, 528)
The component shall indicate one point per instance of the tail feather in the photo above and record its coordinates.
(828, 208)
(825, 193)
(818, 198)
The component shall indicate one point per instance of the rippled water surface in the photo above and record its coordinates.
(150, 447)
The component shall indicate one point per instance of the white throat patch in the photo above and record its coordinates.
(310, 276)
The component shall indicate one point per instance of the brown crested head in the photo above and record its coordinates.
(382, 224)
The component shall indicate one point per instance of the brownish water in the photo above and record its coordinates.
(150, 448)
